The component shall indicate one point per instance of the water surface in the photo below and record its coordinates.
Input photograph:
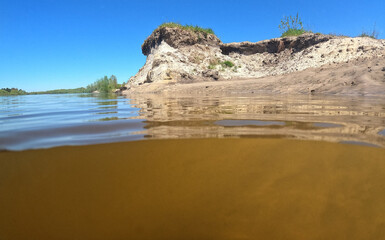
(42, 121)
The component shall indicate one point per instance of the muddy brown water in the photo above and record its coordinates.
(196, 168)
(194, 189)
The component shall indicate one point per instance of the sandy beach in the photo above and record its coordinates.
(361, 77)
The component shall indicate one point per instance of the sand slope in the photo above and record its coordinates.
(364, 77)
(179, 61)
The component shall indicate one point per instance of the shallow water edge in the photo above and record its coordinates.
(41, 121)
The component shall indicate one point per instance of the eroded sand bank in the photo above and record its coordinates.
(194, 189)
(360, 77)
(180, 61)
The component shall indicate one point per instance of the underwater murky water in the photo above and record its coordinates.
(194, 189)
(192, 168)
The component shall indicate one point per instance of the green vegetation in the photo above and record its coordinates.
(104, 85)
(224, 64)
(62, 91)
(11, 91)
(192, 28)
(291, 26)
(373, 34)
(213, 63)
(293, 32)
(228, 64)
(15, 91)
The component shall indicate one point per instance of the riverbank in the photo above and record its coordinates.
(360, 77)
(184, 62)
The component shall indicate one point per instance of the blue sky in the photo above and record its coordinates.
(52, 44)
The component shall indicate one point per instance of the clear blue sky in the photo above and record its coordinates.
(51, 44)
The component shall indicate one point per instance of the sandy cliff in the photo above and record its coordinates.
(184, 61)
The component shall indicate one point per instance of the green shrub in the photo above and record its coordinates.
(293, 32)
(227, 64)
(224, 64)
(192, 28)
(291, 26)
(373, 34)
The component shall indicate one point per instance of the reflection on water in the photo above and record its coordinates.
(234, 123)
(42, 121)
(382, 132)
(327, 125)
(335, 119)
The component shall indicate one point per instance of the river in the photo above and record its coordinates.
(43, 121)
(82, 166)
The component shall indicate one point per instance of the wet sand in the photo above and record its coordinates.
(194, 189)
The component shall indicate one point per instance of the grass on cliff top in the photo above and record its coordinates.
(294, 32)
(291, 26)
(192, 28)
(372, 34)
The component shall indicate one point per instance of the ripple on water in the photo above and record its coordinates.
(41, 121)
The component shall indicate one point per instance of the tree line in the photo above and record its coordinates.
(11, 91)
(102, 85)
